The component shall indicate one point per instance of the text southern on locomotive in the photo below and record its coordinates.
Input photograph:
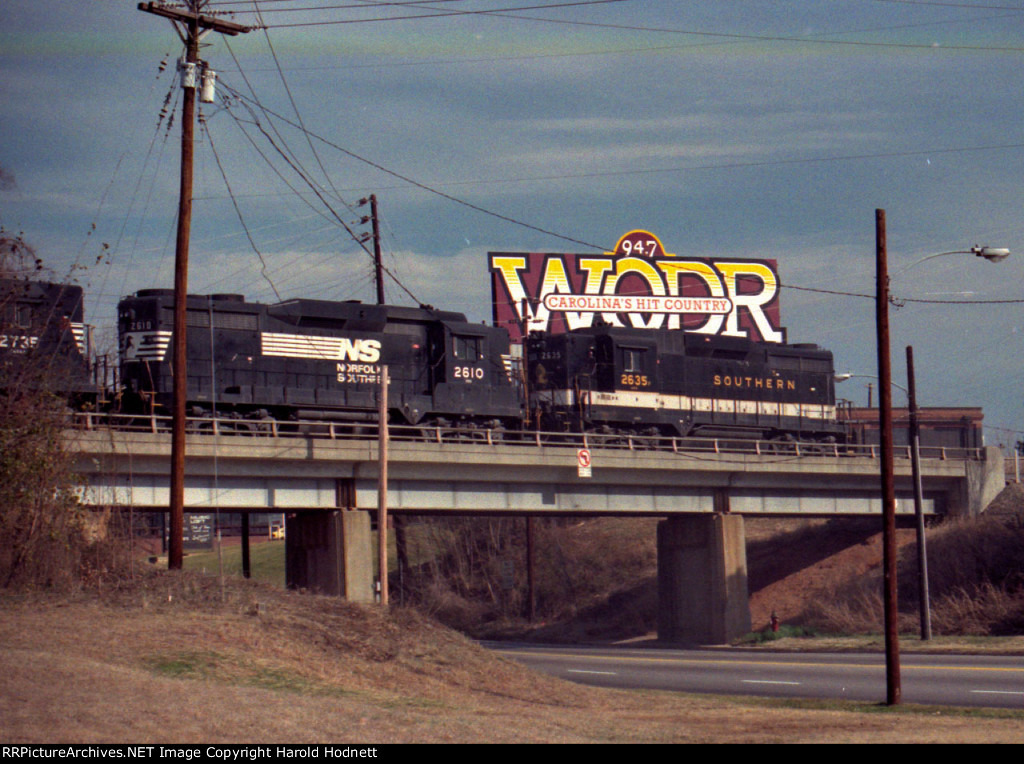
(645, 381)
(314, 359)
(44, 343)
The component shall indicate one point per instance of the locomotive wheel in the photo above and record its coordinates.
(263, 427)
(783, 445)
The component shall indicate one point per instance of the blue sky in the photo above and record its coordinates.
(738, 128)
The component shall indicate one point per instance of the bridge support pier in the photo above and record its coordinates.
(983, 481)
(702, 579)
(330, 553)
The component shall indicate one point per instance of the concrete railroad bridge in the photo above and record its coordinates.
(324, 477)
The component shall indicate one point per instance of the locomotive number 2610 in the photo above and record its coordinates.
(468, 373)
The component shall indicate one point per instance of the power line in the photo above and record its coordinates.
(424, 186)
(613, 51)
(274, 128)
(293, 161)
(238, 211)
(298, 115)
(447, 14)
(900, 301)
(954, 5)
(302, 197)
(312, 186)
(735, 36)
(746, 165)
(728, 165)
(361, 6)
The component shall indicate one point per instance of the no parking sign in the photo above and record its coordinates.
(583, 462)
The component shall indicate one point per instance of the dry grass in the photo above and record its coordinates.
(975, 574)
(173, 658)
(606, 565)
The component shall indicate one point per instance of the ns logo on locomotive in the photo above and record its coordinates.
(636, 341)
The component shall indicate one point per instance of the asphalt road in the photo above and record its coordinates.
(955, 680)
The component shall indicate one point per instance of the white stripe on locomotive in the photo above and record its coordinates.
(146, 346)
(629, 399)
(319, 348)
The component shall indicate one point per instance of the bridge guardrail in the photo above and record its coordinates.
(527, 438)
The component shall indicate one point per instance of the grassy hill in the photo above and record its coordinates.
(176, 657)
(154, 656)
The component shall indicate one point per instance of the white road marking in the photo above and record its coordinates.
(585, 671)
(766, 681)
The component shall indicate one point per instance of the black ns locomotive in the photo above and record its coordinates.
(313, 359)
(44, 342)
(656, 382)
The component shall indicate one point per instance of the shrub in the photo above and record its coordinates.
(47, 538)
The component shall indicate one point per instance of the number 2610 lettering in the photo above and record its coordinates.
(468, 373)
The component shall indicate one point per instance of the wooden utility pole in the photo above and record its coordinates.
(531, 598)
(888, 479)
(378, 266)
(382, 487)
(191, 26)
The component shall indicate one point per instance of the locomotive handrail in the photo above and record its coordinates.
(274, 428)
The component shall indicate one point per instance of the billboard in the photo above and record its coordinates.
(638, 285)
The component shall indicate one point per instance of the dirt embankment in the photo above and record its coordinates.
(791, 571)
(822, 575)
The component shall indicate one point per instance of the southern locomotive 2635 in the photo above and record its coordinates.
(644, 381)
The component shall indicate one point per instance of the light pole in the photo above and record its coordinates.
(892, 648)
(915, 468)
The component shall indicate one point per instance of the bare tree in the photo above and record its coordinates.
(46, 537)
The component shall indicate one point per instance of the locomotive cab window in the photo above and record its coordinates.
(633, 359)
(19, 316)
(635, 370)
(466, 348)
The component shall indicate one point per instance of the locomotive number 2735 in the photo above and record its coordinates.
(19, 342)
(468, 373)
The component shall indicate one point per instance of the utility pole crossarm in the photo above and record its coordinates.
(202, 20)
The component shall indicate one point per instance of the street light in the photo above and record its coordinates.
(992, 254)
(892, 649)
(843, 377)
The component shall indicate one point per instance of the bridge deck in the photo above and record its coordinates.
(327, 466)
